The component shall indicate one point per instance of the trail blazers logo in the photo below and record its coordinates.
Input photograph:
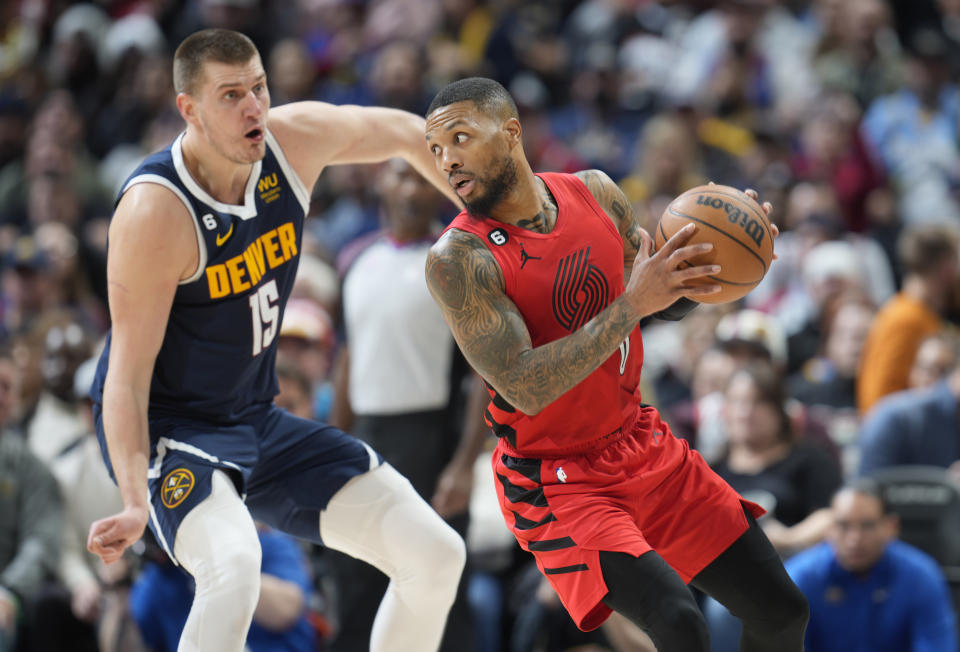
(580, 290)
(176, 487)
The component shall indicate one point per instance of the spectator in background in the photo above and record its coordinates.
(916, 426)
(86, 590)
(296, 390)
(913, 132)
(830, 150)
(306, 344)
(745, 61)
(400, 385)
(668, 164)
(861, 55)
(291, 73)
(31, 519)
(56, 419)
(743, 337)
(826, 383)
(767, 463)
(29, 286)
(869, 592)
(936, 357)
(928, 256)
(816, 259)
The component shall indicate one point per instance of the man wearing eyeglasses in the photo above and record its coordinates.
(869, 592)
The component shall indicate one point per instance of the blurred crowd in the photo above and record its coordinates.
(844, 362)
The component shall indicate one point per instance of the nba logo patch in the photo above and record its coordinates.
(561, 474)
(176, 487)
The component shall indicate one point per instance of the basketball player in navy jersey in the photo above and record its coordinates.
(543, 280)
(204, 245)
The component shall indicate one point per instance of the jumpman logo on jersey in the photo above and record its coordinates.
(524, 256)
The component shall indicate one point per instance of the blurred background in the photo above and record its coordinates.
(843, 113)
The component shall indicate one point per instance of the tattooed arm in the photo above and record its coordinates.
(617, 207)
(468, 285)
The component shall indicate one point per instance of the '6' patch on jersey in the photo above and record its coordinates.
(498, 237)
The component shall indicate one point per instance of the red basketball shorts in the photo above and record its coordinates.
(645, 491)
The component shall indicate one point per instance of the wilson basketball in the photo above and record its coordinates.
(737, 227)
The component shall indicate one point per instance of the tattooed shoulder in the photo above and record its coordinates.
(608, 194)
(459, 262)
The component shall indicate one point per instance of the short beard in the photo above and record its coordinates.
(497, 188)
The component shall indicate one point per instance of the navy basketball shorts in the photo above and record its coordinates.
(285, 467)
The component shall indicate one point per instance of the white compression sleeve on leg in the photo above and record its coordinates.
(217, 543)
(379, 518)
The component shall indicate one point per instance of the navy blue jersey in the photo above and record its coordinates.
(218, 353)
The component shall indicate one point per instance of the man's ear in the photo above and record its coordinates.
(514, 131)
(186, 107)
(892, 525)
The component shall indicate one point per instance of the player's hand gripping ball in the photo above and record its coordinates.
(738, 229)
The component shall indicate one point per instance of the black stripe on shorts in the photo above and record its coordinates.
(528, 467)
(518, 494)
(546, 545)
(522, 523)
(566, 569)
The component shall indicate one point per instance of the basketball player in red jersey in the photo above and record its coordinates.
(543, 280)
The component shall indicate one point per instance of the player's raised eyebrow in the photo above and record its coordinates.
(452, 125)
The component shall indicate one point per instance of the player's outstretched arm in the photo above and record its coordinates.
(314, 135)
(153, 245)
(466, 282)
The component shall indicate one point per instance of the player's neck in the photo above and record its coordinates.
(222, 178)
(526, 205)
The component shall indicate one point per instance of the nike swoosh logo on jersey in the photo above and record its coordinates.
(224, 238)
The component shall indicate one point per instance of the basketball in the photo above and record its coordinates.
(738, 229)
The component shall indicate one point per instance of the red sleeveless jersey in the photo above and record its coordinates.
(559, 281)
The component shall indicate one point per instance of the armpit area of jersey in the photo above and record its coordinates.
(677, 310)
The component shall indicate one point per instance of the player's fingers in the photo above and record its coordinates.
(751, 193)
(767, 207)
(677, 240)
(646, 243)
(95, 537)
(711, 183)
(689, 251)
(700, 290)
(774, 229)
(696, 272)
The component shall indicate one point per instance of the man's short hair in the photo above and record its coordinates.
(218, 45)
(867, 486)
(921, 249)
(488, 95)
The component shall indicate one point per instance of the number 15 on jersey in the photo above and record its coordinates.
(265, 312)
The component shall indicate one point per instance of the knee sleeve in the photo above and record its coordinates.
(749, 580)
(217, 543)
(379, 518)
(651, 595)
